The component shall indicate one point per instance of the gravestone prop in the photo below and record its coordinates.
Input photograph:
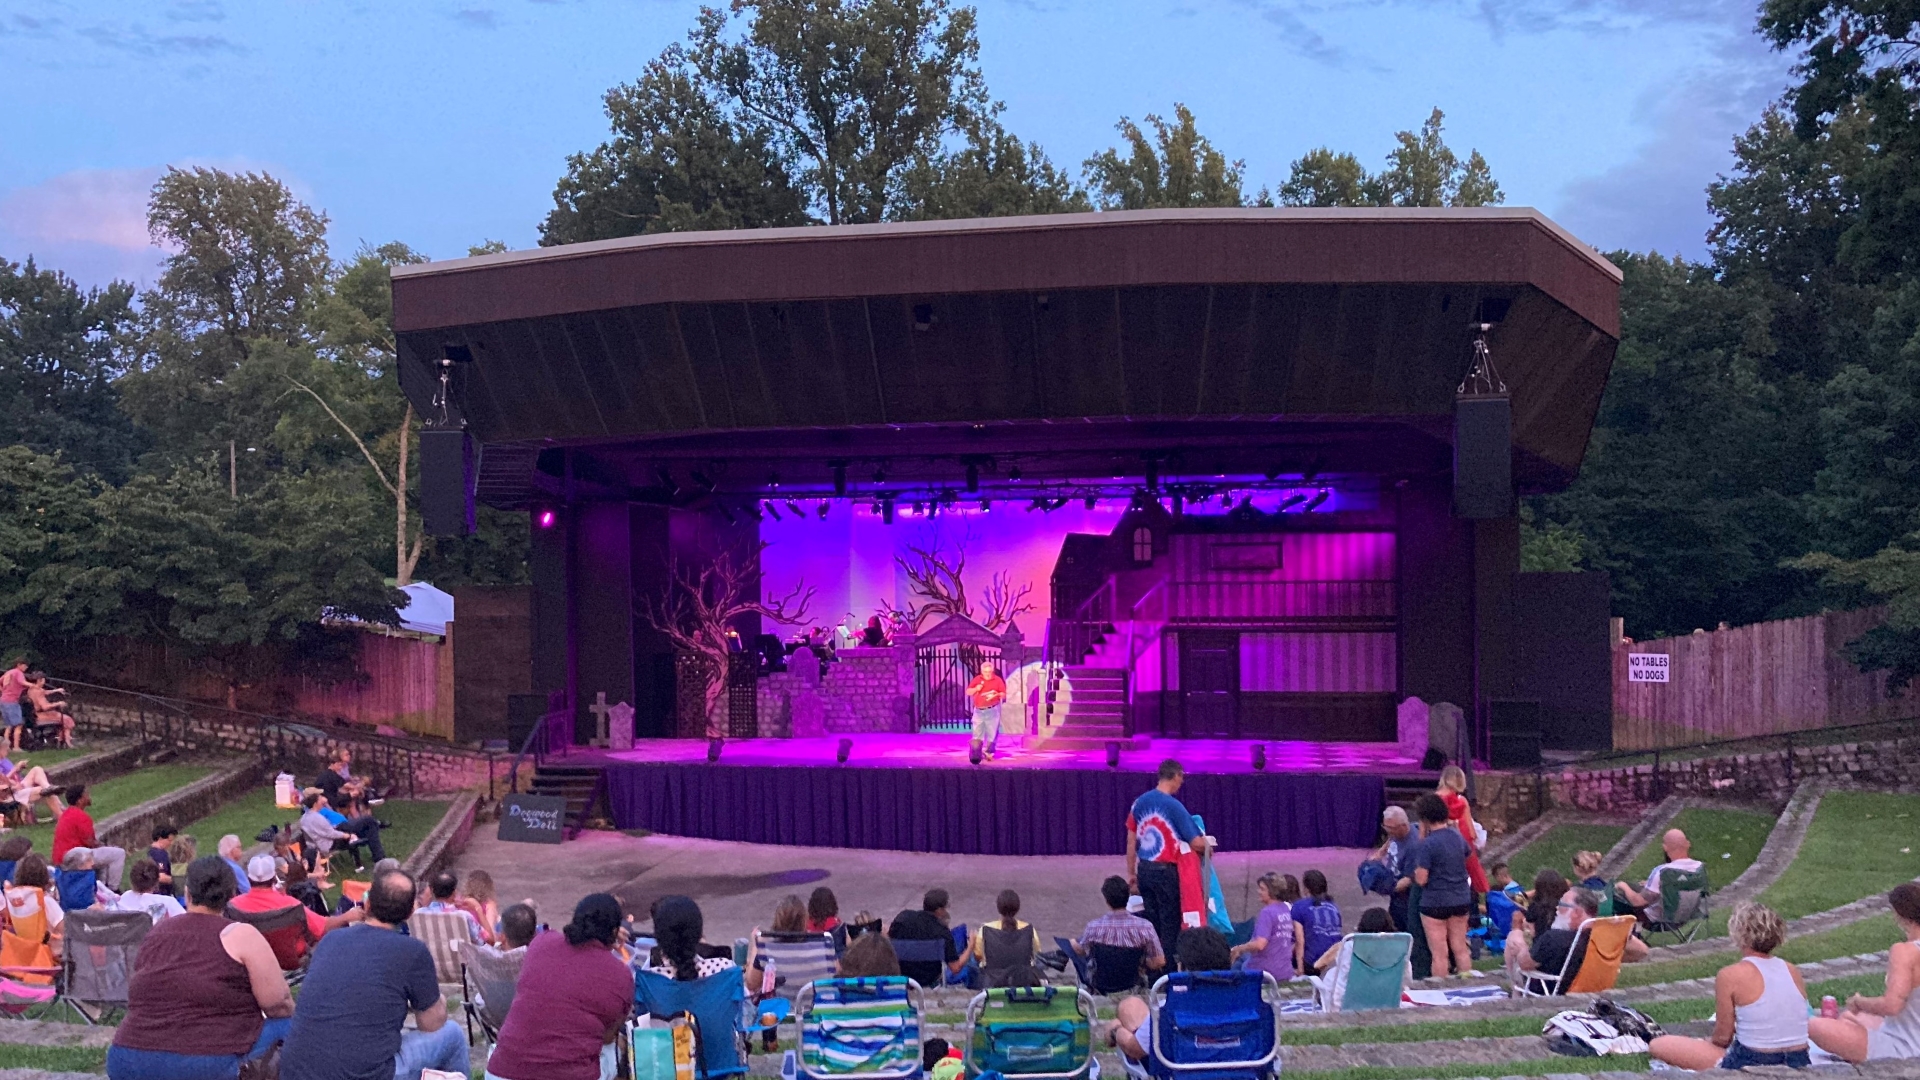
(533, 819)
(620, 727)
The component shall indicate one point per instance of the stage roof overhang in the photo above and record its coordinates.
(1247, 339)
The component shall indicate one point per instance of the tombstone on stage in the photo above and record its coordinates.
(1414, 732)
(620, 727)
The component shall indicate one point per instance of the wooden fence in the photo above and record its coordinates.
(1762, 679)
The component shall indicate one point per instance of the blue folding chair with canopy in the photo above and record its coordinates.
(1215, 1025)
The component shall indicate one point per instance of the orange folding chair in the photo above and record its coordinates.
(1606, 948)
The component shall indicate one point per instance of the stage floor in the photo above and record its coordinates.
(1200, 756)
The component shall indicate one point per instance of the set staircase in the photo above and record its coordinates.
(1087, 709)
(583, 786)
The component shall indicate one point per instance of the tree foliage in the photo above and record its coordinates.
(1174, 167)
(1421, 170)
(61, 348)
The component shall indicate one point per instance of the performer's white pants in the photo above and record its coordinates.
(986, 726)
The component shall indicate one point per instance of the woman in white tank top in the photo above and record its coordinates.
(1887, 1026)
(1761, 1004)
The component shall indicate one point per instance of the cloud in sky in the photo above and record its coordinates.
(91, 223)
(139, 41)
(478, 18)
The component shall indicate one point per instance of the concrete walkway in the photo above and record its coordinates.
(737, 885)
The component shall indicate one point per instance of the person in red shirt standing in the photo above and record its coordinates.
(986, 693)
(75, 830)
(13, 684)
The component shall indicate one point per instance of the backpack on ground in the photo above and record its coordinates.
(1580, 1034)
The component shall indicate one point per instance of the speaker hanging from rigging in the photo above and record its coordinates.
(1483, 430)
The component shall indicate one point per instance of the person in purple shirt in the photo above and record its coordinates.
(572, 997)
(1318, 917)
(1275, 945)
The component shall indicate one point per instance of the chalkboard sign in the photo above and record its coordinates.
(533, 819)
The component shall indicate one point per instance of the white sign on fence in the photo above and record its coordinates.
(1647, 667)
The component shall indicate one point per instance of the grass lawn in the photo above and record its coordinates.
(48, 758)
(246, 816)
(1555, 849)
(1727, 841)
(1868, 935)
(72, 1059)
(1860, 843)
(1554, 1064)
(120, 793)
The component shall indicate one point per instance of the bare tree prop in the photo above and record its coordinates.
(699, 608)
(1004, 602)
(938, 582)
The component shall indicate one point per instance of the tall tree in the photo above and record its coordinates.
(1175, 167)
(61, 347)
(850, 92)
(1421, 170)
(992, 174)
(678, 160)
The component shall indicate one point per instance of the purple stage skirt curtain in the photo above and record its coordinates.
(981, 811)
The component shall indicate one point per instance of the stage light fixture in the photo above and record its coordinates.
(879, 474)
(702, 479)
(1319, 497)
(713, 749)
(821, 510)
(919, 509)
(773, 480)
(1037, 504)
(973, 477)
(886, 511)
(1113, 755)
(1013, 474)
(1292, 501)
(754, 511)
(986, 505)
(949, 497)
(545, 518)
(1153, 474)
(665, 476)
(795, 509)
(973, 752)
(845, 751)
(1092, 502)
(1259, 757)
(772, 509)
(1271, 474)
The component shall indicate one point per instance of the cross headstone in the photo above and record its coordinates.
(620, 727)
(600, 709)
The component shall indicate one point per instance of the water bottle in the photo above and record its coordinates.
(789, 1067)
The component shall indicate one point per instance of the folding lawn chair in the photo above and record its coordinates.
(1080, 966)
(860, 1027)
(909, 951)
(1215, 1025)
(798, 958)
(717, 1005)
(101, 947)
(438, 930)
(1612, 933)
(1116, 969)
(1030, 1031)
(487, 980)
(1683, 904)
(1369, 972)
(286, 931)
(77, 889)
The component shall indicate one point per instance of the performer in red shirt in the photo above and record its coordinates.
(986, 693)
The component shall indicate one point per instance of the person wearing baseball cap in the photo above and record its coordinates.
(290, 944)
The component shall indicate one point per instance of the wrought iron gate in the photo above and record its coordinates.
(743, 696)
(940, 677)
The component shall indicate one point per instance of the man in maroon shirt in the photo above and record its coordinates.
(75, 830)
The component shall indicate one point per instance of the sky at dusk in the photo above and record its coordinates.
(446, 124)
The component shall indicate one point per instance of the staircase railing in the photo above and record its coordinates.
(1069, 640)
(535, 744)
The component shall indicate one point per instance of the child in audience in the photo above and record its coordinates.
(1317, 920)
(1586, 871)
(1500, 879)
(1277, 940)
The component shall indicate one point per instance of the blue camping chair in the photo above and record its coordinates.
(77, 888)
(868, 1028)
(1215, 1025)
(718, 1005)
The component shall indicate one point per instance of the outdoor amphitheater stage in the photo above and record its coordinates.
(919, 793)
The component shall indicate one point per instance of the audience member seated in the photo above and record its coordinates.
(1586, 871)
(228, 848)
(1760, 1014)
(143, 893)
(477, 896)
(1317, 918)
(1500, 879)
(206, 994)
(865, 922)
(1372, 921)
(1122, 929)
(1646, 901)
(571, 1000)
(181, 853)
(78, 883)
(48, 713)
(1541, 910)
(345, 793)
(442, 887)
(295, 883)
(492, 983)
(1886, 1026)
(160, 853)
(518, 924)
(33, 915)
(823, 917)
(12, 850)
(929, 924)
(1551, 945)
(75, 830)
(1008, 949)
(1201, 949)
(940, 1060)
(26, 785)
(361, 984)
(1278, 943)
(328, 829)
(680, 954)
(869, 956)
(289, 949)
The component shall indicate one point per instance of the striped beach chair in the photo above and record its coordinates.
(860, 1027)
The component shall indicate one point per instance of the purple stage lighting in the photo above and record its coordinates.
(545, 519)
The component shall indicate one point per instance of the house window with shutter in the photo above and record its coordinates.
(1143, 545)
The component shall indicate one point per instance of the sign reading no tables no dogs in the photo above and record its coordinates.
(1647, 667)
(533, 819)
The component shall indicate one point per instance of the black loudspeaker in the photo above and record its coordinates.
(1513, 734)
(523, 713)
(1483, 457)
(448, 467)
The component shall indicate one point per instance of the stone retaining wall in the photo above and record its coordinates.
(132, 828)
(412, 767)
(102, 764)
(447, 840)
